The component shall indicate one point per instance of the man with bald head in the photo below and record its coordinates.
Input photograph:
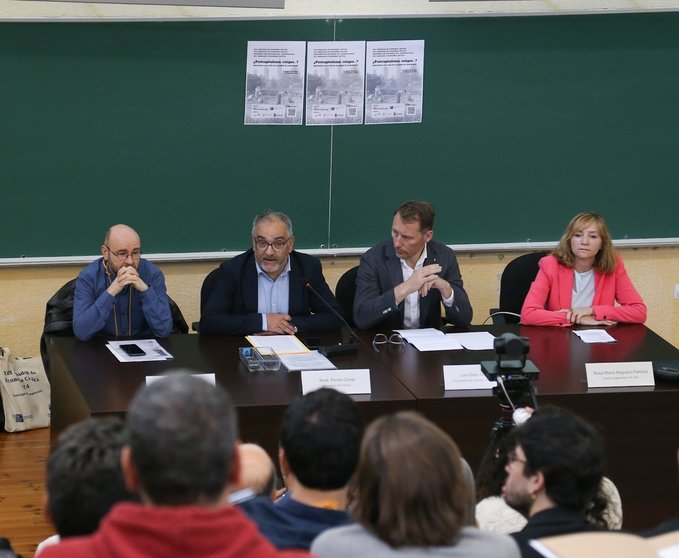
(121, 294)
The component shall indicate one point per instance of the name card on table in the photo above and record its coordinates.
(619, 374)
(465, 376)
(347, 381)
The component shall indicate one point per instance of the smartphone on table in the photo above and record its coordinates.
(132, 349)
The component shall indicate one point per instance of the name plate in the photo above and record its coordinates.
(619, 374)
(347, 381)
(465, 376)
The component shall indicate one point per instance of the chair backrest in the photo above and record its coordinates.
(515, 283)
(58, 319)
(179, 324)
(345, 292)
(205, 290)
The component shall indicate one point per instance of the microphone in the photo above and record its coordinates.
(346, 348)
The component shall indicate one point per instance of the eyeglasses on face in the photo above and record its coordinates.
(513, 458)
(277, 244)
(123, 254)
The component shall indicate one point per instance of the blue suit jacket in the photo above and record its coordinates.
(231, 307)
(380, 271)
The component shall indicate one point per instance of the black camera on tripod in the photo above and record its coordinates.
(513, 373)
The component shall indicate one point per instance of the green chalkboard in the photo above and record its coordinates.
(526, 120)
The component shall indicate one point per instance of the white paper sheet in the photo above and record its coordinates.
(151, 347)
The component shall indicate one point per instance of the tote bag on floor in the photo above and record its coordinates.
(25, 392)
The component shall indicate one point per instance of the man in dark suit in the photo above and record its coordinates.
(402, 282)
(266, 289)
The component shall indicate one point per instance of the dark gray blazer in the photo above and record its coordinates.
(380, 271)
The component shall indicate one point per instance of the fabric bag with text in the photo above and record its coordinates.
(25, 392)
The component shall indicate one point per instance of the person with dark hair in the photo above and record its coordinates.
(402, 282)
(6, 550)
(554, 470)
(180, 458)
(582, 279)
(319, 444)
(411, 499)
(266, 289)
(121, 293)
(84, 477)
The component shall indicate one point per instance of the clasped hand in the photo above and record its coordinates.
(280, 323)
(423, 280)
(584, 316)
(127, 275)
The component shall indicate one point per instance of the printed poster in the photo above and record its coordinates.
(334, 91)
(394, 82)
(274, 83)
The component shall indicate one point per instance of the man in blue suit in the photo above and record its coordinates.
(270, 288)
(402, 282)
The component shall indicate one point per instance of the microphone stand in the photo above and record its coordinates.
(347, 346)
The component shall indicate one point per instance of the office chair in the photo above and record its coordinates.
(59, 320)
(514, 286)
(345, 292)
(205, 290)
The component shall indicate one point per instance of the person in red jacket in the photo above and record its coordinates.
(581, 281)
(180, 458)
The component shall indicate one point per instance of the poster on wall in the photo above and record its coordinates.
(394, 82)
(274, 82)
(334, 90)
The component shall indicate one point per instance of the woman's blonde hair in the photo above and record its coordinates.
(605, 259)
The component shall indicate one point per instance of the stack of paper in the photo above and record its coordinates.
(294, 354)
(151, 348)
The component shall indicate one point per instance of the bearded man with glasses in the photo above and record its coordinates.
(270, 288)
(121, 294)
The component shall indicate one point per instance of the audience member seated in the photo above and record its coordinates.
(266, 289)
(581, 281)
(84, 477)
(495, 515)
(319, 444)
(411, 500)
(6, 550)
(554, 470)
(180, 458)
(258, 475)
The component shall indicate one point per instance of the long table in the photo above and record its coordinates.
(640, 425)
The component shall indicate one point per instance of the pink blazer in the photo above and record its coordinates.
(553, 288)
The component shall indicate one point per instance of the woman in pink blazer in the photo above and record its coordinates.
(581, 280)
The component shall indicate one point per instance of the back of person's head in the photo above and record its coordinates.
(84, 476)
(569, 453)
(420, 211)
(321, 436)
(411, 489)
(258, 472)
(183, 435)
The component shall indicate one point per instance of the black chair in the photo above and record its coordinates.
(59, 319)
(345, 292)
(514, 286)
(205, 290)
